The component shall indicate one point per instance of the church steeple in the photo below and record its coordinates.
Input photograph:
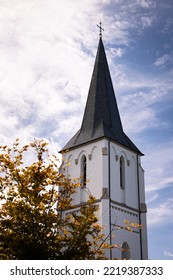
(109, 167)
(101, 117)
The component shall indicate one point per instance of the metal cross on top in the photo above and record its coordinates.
(101, 29)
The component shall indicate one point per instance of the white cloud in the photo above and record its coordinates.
(168, 254)
(139, 104)
(152, 196)
(44, 62)
(146, 3)
(42, 56)
(116, 52)
(159, 183)
(147, 21)
(161, 215)
(158, 163)
(46, 67)
(164, 60)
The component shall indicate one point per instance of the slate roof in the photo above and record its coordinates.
(101, 117)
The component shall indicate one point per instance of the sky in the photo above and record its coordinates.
(47, 53)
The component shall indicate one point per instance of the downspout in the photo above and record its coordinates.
(139, 207)
(109, 185)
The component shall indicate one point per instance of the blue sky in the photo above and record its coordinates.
(47, 53)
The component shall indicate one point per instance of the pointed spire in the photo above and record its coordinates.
(101, 111)
(101, 117)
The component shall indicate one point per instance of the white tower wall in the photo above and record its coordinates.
(118, 208)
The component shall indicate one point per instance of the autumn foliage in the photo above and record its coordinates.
(37, 219)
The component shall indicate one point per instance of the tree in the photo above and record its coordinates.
(37, 220)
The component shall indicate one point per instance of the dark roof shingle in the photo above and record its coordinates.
(101, 117)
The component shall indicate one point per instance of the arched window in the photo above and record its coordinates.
(83, 171)
(125, 251)
(122, 173)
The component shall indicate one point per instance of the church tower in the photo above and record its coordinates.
(109, 164)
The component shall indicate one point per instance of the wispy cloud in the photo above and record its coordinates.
(157, 163)
(43, 64)
(168, 254)
(168, 27)
(159, 184)
(38, 73)
(161, 215)
(140, 104)
(164, 60)
(152, 197)
(117, 52)
(146, 3)
(147, 21)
